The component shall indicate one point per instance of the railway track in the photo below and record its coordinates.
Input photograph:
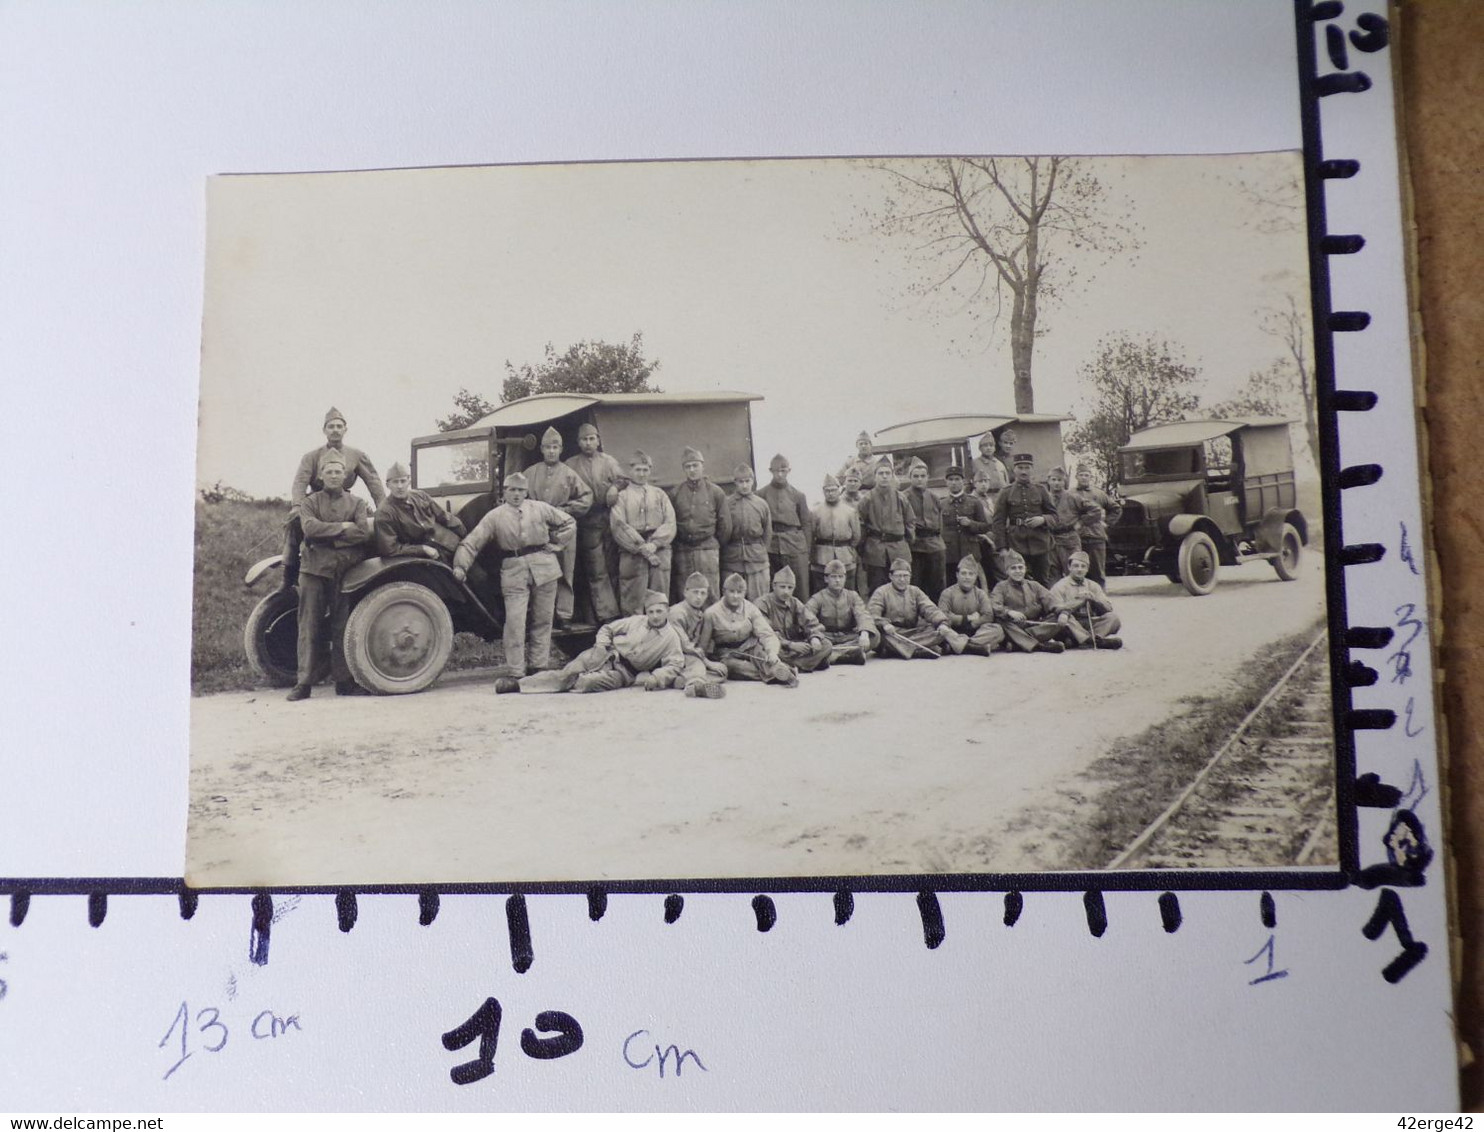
(1266, 797)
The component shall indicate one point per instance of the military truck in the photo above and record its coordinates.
(405, 611)
(1199, 495)
(944, 442)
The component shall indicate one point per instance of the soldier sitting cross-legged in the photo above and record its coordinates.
(736, 633)
(1083, 609)
(842, 613)
(804, 644)
(699, 677)
(1024, 608)
(911, 625)
(969, 609)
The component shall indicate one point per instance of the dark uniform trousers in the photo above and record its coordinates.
(320, 601)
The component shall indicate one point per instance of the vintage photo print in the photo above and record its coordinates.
(790, 518)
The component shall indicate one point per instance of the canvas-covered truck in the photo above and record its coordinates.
(405, 611)
(943, 442)
(1199, 495)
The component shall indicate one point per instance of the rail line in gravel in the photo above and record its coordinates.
(1266, 797)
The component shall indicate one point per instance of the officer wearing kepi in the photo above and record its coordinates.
(1024, 514)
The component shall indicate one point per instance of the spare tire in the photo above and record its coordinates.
(271, 638)
(398, 638)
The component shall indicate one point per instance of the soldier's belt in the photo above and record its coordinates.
(833, 542)
(525, 550)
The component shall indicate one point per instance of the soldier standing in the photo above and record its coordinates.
(790, 510)
(1024, 608)
(995, 459)
(970, 611)
(911, 625)
(409, 524)
(531, 534)
(835, 535)
(864, 460)
(643, 523)
(1083, 609)
(1065, 540)
(842, 613)
(964, 520)
(555, 483)
(803, 643)
(310, 477)
(886, 524)
(750, 530)
(1100, 512)
(1023, 514)
(597, 562)
(702, 524)
(337, 527)
(928, 565)
(736, 633)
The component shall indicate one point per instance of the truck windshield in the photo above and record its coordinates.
(465, 463)
(1162, 462)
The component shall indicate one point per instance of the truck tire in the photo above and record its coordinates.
(398, 638)
(271, 638)
(1290, 551)
(1199, 563)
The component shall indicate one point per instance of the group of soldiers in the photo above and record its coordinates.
(694, 586)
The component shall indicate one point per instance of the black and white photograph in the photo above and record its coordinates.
(759, 518)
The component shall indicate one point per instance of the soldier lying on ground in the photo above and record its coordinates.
(736, 633)
(843, 616)
(644, 650)
(911, 625)
(969, 610)
(1083, 609)
(803, 641)
(1023, 606)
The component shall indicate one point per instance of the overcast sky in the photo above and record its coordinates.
(383, 293)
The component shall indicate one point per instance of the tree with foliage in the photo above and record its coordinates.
(1135, 382)
(1026, 229)
(584, 367)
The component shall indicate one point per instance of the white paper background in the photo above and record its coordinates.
(111, 117)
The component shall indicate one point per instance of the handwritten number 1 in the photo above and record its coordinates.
(1389, 913)
(182, 1018)
(1267, 949)
(483, 1024)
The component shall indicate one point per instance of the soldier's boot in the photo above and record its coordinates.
(350, 688)
(298, 692)
(973, 648)
(783, 674)
(849, 656)
(955, 641)
(704, 690)
(504, 685)
(1050, 646)
(1110, 642)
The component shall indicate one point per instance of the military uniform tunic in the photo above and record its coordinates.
(1013, 507)
(563, 488)
(745, 550)
(688, 620)
(913, 616)
(745, 642)
(960, 539)
(702, 524)
(597, 557)
(928, 558)
(625, 652)
(798, 630)
(309, 478)
(886, 524)
(844, 617)
(836, 530)
(1094, 527)
(329, 551)
(1032, 601)
(1092, 612)
(789, 545)
(641, 514)
(970, 612)
(404, 526)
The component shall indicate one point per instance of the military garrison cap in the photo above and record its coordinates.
(588, 429)
(692, 456)
(970, 561)
(830, 480)
(331, 457)
(915, 463)
(640, 457)
(398, 471)
(334, 414)
(551, 434)
(786, 575)
(1014, 557)
(834, 567)
(734, 582)
(901, 564)
(654, 597)
(864, 435)
(1080, 556)
(515, 479)
(697, 581)
(778, 461)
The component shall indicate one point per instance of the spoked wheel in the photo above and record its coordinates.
(398, 639)
(1199, 563)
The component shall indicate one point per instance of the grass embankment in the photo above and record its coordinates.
(230, 536)
(1147, 772)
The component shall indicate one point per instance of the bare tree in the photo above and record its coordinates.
(1290, 326)
(992, 228)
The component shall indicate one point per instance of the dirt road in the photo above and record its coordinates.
(898, 767)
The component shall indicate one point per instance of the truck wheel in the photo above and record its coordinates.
(271, 638)
(1199, 563)
(1290, 549)
(398, 638)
